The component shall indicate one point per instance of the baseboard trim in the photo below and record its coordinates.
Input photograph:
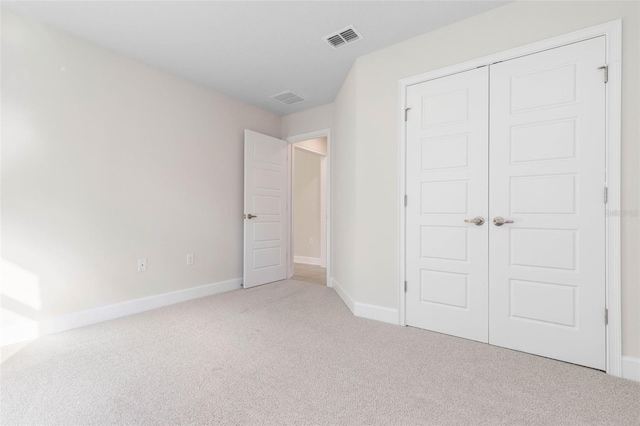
(631, 368)
(32, 330)
(378, 313)
(364, 310)
(308, 260)
(343, 295)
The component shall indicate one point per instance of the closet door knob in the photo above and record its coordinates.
(499, 221)
(478, 221)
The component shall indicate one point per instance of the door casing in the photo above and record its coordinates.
(613, 40)
(299, 138)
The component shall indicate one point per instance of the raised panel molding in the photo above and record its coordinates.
(444, 242)
(444, 288)
(444, 197)
(266, 205)
(266, 231)
(558, 301)
(266, 154)
(266, 257)
(543, 194)
(445, 108)
(545, 141)
(448, 152)
(270, 178)
(539, 248)
(551, 87)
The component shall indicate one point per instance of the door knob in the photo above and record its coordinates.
(250, 216)
(478, 221)
(499, 221)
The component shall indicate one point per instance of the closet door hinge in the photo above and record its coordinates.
(406, 113)
(606, 194)
(405, 286)
(606, 316)
(405, 200)
(606, 72)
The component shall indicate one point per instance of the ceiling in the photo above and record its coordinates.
(250, 50)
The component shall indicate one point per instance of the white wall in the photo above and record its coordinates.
(306, 204)
(106, 160)
(307, 121)
(344, 205)
(365, 156)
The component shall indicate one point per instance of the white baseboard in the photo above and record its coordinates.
(631, 368)
(378, 313)
(363, 310)
(343, 295)
(32, 330)
(630, 365)
(308, 260)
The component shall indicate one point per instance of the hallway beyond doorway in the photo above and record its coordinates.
(309, 273)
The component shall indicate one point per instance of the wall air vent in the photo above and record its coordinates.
(288, 98)
(343, 37)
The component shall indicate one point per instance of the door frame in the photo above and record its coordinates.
(613, 91)
(292, 140)
(323, 206)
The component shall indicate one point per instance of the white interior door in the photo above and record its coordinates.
(265, 211)
(547, 142)
(447, 160)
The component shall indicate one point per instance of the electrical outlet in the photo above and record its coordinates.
(189, 258)
(311, 240)
(142, 265)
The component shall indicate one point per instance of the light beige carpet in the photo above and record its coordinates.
(291, 353)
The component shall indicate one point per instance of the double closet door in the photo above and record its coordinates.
(505, 224)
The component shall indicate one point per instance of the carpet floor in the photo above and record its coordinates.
(292, 353)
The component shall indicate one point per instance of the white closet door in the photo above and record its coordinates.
(447, 158)
(547, 156)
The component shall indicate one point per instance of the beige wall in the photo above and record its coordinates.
(366, 143)
(307, 121)
(306, 203)
(104, 161)
(344, 203)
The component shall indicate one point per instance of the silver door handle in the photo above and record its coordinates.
(499, 221)
(250, 216)
(478, 220)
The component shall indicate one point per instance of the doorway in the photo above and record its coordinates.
(269, 233)
(309, 210)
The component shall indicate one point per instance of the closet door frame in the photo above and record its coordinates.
(613, 40)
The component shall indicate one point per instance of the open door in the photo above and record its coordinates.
(265, 211)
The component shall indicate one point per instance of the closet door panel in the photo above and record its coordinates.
(447, 157)
(547, 163)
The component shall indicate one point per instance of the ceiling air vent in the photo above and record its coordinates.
(288, 98)
(343, 37)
